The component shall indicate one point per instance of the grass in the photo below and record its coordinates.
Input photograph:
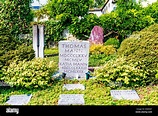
(94, 94)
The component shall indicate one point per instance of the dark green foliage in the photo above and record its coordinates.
(81, 28)
(129, 16)
(73, 7)
(152, 10)
(22, 52)
(7, 43)
(15, 17)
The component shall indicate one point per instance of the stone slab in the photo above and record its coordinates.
(73, 86)
(71, 99)
(73, 58)
(19, 99)
(124, 94)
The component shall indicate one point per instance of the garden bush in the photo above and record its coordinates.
(101, 49)
(30, 74)
(99, 54)
(118, 71)
(136, 61)
(20, 53)
(7, 43)
(53, 51)
(142, 50)
(113, 41)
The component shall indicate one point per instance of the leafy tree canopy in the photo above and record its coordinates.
(15, 17)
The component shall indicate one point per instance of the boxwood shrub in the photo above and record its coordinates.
(136, 63)
(30, 74)
(142, 50)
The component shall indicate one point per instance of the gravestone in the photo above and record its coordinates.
(71, 99)
(124, 94)
(73, 58)
(97, 35)
(19, 99)
(73, 86)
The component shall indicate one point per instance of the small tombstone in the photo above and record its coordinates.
(73, 86)
(71, 99)
(124, 94)
(19, 99)
(97, 35)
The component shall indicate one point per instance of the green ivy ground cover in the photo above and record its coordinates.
(94, 94)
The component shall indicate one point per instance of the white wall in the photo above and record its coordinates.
(40, 3)
(109, 7)
(145, 3)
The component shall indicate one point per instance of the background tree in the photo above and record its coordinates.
(81, 28)
(152, 10)
(15, 17)
(128, 17)
(98, 3)
(61, 15)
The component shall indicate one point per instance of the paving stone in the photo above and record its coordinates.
(19, 99)
(73, 86)
(124, 94)
(71, 99)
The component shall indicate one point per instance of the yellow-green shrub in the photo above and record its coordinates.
(102, 49)
(142, 48)
(99, 54)
(118, 71)
(30, 74)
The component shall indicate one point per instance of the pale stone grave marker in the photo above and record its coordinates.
(73, 58)
(124, 94)
(73, 86)
(19, 99)
(71, 99)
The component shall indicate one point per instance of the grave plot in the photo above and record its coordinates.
(124, 94)
(73, 86)
(71, 99)
(19, 99)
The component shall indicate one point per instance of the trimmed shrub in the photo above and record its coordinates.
(101, 49)
(22, 52)
(30, 74)
(136, 64)
(142, 50)
(7, 43)
(118, 71)
(100, 54)
(51, 51)
(113, 41)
